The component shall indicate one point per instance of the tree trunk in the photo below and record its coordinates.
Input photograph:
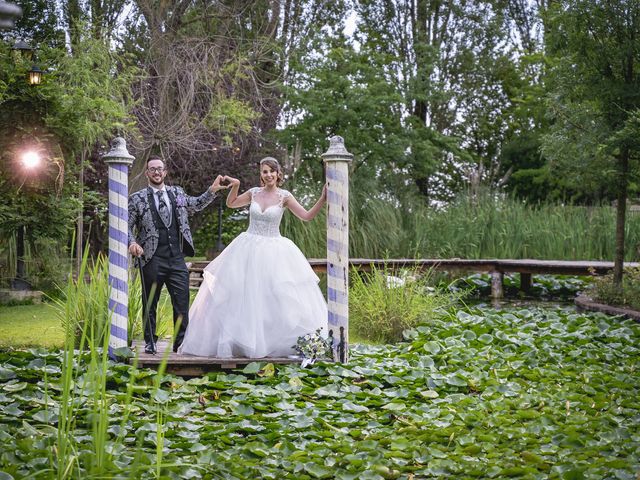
(623, 174)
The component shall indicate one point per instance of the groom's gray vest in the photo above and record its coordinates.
(170, 240)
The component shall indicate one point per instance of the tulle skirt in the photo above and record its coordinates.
(257, 297)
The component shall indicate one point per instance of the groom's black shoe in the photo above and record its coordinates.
(150, 348)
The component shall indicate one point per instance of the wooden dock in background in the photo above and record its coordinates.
(495, 267)
(191, 365)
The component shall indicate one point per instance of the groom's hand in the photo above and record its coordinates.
(135, 249)
(218, 184)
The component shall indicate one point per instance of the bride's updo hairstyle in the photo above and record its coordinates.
(273, 163)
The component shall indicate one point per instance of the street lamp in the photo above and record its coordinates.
(35, 75)
(26, 51)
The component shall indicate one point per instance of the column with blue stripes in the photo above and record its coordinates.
(119, 161)
(337, 161)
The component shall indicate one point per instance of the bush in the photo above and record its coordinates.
(382, 306)
(604, 289)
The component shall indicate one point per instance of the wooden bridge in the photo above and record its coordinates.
(495, 267)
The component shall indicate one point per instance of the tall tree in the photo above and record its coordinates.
(594, 84)
(211, 94)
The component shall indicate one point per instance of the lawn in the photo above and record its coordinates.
(30, 326)
(39, 326)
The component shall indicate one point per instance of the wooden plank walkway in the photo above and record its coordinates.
(191, 365)
(496, 267)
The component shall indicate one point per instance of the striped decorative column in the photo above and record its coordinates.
(337, 161)
(119, 161)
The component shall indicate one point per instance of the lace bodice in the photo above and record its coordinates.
(265, 223)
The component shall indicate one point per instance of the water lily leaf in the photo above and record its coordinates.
(432, 347)
(485, 338)
(258, 449)
(296, 382)
(242, 409)
(15, 387)
(6, 374)
(429, 394)
(395, 406)
(317, 471)
(457, 380)
(352, 407)
(268, 370)
(160, 396)
(252, 368)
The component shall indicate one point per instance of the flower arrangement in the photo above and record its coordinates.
(313, 346)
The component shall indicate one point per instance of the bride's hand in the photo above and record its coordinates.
(232, 181)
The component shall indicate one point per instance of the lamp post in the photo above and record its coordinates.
(9, 12)
(219, 244)
(119, 161)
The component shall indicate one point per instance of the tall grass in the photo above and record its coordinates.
(382, 306)
(485, 227)
(84, 399)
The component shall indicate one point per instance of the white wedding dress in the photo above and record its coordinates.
(258, 296)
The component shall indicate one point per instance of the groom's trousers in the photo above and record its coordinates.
(167, 267)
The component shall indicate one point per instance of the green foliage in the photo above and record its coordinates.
(82, 101)
(83, 306)
(534, 393)
(231, 116)
(594, 58)
(345, 92)
(382, 306)
(486, 226)
(605, 290)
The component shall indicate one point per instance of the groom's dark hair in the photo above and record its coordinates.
(156, 158)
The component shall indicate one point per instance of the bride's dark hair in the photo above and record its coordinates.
(273, 163)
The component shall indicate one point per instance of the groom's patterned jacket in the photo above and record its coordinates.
(142, 212)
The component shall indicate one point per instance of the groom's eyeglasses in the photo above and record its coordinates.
(155, 169)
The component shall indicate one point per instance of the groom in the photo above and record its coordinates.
(159, 235)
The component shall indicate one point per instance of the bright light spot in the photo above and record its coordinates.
(31, 159)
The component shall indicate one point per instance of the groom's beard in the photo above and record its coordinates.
(156, 183)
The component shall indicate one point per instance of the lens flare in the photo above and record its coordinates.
(31, 159)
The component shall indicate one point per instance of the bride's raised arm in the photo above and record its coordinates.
(233, 199)
(303, 214)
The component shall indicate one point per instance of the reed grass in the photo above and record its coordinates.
(490, 226)
(84, 399)
(382, 305)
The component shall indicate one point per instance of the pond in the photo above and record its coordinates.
(537, 392)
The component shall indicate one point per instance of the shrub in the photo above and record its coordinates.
(382, 306)
(628, 294)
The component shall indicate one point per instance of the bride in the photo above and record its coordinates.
(260, 294)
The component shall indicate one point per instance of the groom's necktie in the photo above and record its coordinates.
(163, 210)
